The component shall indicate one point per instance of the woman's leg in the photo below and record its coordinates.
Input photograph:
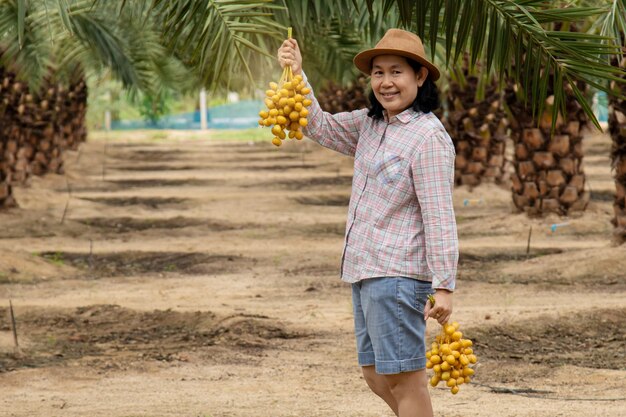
(410, 391)
(378, 384)
(392, 323)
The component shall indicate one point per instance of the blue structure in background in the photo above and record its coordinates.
(600, 106)
(240, 115)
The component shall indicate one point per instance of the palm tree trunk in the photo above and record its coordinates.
(334, 98)
(617, 128)
(478, 129)
(548, 176)
(36, 129)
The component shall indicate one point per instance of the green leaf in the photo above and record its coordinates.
(492, 39)
(63, 8)
(465, 22)
(434, 24)
(583, 102)
(479, 32)
(451, 14)
(21, 16)
(421, 10)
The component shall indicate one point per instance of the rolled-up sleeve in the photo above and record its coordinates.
(339, 132)
(433, 176)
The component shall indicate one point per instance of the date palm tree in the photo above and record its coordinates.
(617, 128)
(548, 154)
(46, 49)
(477, 124)
(210, 36)
(218, 40)
(613, 25)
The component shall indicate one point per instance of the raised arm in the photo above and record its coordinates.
(339, 132)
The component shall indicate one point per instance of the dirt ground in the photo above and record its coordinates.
(189, 277)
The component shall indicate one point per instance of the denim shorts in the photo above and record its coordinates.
(389, 323)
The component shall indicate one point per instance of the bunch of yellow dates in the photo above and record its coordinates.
(286, 107)
(451, 358)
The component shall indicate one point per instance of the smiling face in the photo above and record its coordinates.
(395, 83)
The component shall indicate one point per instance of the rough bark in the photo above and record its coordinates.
(36, 127)
(617, 129)
(548, 165)
(335, 98)
(478, 129)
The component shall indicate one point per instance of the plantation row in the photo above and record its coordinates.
(547, 175)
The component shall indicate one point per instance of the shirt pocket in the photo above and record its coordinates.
(390, 169)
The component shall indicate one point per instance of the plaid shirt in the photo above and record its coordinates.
(400, 219)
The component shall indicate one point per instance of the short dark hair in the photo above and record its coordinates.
(427, 99)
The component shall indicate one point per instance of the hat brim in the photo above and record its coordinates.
(363, 60)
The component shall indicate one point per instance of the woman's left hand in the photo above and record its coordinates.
(442, 310)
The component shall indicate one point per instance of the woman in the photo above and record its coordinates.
(401, 243)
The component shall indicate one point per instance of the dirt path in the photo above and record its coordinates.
(196, 278)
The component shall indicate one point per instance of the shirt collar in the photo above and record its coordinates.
(405, 117)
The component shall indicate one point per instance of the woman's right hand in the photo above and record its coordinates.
(289, 54)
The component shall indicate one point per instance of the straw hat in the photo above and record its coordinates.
(396, 42)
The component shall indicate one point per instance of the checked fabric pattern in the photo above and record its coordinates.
(400, 219)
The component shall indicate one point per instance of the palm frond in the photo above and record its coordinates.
(22, 47)
(96, 36)
(215, 36)
(330, 45)
(612, 24)
(60, 35)
(21, 20)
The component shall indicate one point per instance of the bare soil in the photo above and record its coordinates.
(188, 277)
